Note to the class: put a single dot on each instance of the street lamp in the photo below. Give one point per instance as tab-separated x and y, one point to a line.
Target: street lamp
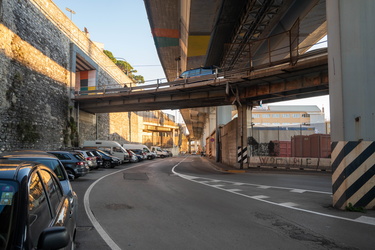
71	13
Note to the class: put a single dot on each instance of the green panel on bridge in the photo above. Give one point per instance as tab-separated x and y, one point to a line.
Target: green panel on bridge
165	42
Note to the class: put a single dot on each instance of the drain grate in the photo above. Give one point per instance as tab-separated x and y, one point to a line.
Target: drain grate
136	176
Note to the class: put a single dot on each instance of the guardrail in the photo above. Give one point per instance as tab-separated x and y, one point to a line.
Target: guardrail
160	84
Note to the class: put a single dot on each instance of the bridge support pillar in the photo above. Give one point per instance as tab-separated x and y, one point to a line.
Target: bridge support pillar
223	116
351	86
242	158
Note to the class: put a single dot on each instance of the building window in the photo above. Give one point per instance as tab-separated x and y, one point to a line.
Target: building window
256	115
305	115
275	115
296	115
266	115
285	115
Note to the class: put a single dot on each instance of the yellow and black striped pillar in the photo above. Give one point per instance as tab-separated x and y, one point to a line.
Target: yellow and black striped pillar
353	178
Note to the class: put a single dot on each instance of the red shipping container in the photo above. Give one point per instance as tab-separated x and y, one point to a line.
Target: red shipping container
284	148
301	146
320	145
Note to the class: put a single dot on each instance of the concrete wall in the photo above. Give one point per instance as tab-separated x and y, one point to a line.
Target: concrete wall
321	164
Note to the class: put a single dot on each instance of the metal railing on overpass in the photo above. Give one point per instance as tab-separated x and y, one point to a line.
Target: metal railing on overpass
268	57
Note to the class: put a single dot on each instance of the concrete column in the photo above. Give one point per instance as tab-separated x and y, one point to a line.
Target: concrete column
223	116
351	61
242	136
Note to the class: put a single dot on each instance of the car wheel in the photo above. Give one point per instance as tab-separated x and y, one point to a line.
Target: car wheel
106	164
162	156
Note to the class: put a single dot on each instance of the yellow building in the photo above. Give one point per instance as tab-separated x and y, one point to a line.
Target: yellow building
289	115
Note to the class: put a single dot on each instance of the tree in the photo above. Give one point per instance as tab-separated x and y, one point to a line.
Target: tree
125	67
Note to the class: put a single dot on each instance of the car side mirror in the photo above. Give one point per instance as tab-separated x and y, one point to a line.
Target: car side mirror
71	177
53	238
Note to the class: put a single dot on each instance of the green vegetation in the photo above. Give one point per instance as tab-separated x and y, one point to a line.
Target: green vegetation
70	133
125	67
351	208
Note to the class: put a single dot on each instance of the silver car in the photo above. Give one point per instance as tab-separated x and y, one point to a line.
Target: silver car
90	158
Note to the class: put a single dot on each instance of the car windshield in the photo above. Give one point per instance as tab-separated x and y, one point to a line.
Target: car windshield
103	153
95	153
79	157
8	191
53	164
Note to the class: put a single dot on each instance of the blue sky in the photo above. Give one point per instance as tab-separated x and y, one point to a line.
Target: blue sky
122	26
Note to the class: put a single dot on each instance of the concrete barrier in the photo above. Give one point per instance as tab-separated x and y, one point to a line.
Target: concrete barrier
318	164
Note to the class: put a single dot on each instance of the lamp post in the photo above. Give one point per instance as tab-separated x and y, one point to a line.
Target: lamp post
71	13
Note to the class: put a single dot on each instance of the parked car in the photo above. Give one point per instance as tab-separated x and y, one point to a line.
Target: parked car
112	147
144	148
141	155
109	161
89	157
54	164
159	152
99	158
169	153
34	211
73	162
133	156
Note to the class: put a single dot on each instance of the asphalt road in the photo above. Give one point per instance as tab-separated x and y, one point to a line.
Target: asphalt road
184	203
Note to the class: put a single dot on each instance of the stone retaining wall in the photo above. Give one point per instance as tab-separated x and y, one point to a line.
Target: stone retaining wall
37	78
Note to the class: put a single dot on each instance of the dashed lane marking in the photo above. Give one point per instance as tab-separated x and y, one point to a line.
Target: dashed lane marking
288	204
259	197
366	219
234	190
262	198
298	191
217	186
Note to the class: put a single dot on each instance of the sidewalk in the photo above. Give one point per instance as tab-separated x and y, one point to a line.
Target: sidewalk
224	168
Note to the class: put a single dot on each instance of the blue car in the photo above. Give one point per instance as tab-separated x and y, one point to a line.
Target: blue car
34	211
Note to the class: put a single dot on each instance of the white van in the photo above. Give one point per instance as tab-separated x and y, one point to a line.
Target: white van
112	147
144	149
159	153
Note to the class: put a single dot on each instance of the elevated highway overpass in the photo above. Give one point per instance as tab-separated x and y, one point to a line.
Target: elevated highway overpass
238	34
309	77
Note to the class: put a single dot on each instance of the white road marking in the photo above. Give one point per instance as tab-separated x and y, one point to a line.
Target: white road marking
234	190
264	187
95	223
259	197
217	186
288	204
366	220
298	191
358	220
